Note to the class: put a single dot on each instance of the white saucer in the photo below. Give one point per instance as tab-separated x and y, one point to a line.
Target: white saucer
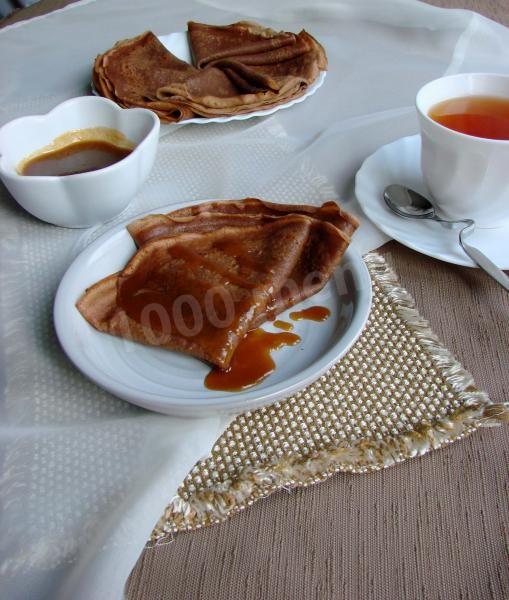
178	44
399	162
172	383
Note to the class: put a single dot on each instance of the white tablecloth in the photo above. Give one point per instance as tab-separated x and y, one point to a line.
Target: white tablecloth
84	476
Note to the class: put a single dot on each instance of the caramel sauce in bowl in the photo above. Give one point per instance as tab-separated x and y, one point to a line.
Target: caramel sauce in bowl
95	194
77	152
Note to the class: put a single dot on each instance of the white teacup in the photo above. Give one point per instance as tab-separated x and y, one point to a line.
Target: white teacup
467	176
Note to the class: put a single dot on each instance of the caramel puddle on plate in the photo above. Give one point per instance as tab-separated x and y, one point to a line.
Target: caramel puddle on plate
283	325
313	313
251	361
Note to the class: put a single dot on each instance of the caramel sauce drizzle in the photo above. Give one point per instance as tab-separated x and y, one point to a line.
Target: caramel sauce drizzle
283	325
195	260
237	250
251	362
135	296
313	313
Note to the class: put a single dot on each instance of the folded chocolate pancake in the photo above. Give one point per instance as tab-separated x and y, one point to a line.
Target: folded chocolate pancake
246	95
230	88
152	226
133	70
136	68
257	52
328	237
142	73
213	42
198	293
240	68
265	67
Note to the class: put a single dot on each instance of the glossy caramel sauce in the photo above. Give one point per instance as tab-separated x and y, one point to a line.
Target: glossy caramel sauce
283	325
194	260
192	295
78	151
237	250
480	116
313	313
80	157
136	293
251	361
180	301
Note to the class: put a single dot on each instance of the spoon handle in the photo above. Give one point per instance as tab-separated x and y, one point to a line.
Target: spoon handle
485	263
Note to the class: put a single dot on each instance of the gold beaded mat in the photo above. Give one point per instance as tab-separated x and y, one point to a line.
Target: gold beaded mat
397	394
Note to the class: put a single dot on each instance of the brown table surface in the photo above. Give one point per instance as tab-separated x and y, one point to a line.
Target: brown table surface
431	528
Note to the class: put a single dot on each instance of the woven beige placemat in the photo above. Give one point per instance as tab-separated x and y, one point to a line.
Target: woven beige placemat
398	393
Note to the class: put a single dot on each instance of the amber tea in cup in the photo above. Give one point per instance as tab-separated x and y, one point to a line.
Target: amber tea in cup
480	116
464	122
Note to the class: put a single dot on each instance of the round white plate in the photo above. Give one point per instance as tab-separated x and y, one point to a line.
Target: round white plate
400	162
171	382
177	43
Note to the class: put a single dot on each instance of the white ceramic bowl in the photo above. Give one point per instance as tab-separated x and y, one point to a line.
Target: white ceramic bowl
466	175
84	199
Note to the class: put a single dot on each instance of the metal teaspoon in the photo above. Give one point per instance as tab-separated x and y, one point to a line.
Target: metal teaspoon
409	204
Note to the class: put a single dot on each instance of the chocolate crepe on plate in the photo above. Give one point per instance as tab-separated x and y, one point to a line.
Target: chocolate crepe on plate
197	293
202	278
239	68
327	240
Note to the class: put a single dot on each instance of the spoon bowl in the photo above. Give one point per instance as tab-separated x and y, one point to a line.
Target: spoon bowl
409	204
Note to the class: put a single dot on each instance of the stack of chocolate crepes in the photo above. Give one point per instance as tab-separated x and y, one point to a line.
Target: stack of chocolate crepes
204	276
238	68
